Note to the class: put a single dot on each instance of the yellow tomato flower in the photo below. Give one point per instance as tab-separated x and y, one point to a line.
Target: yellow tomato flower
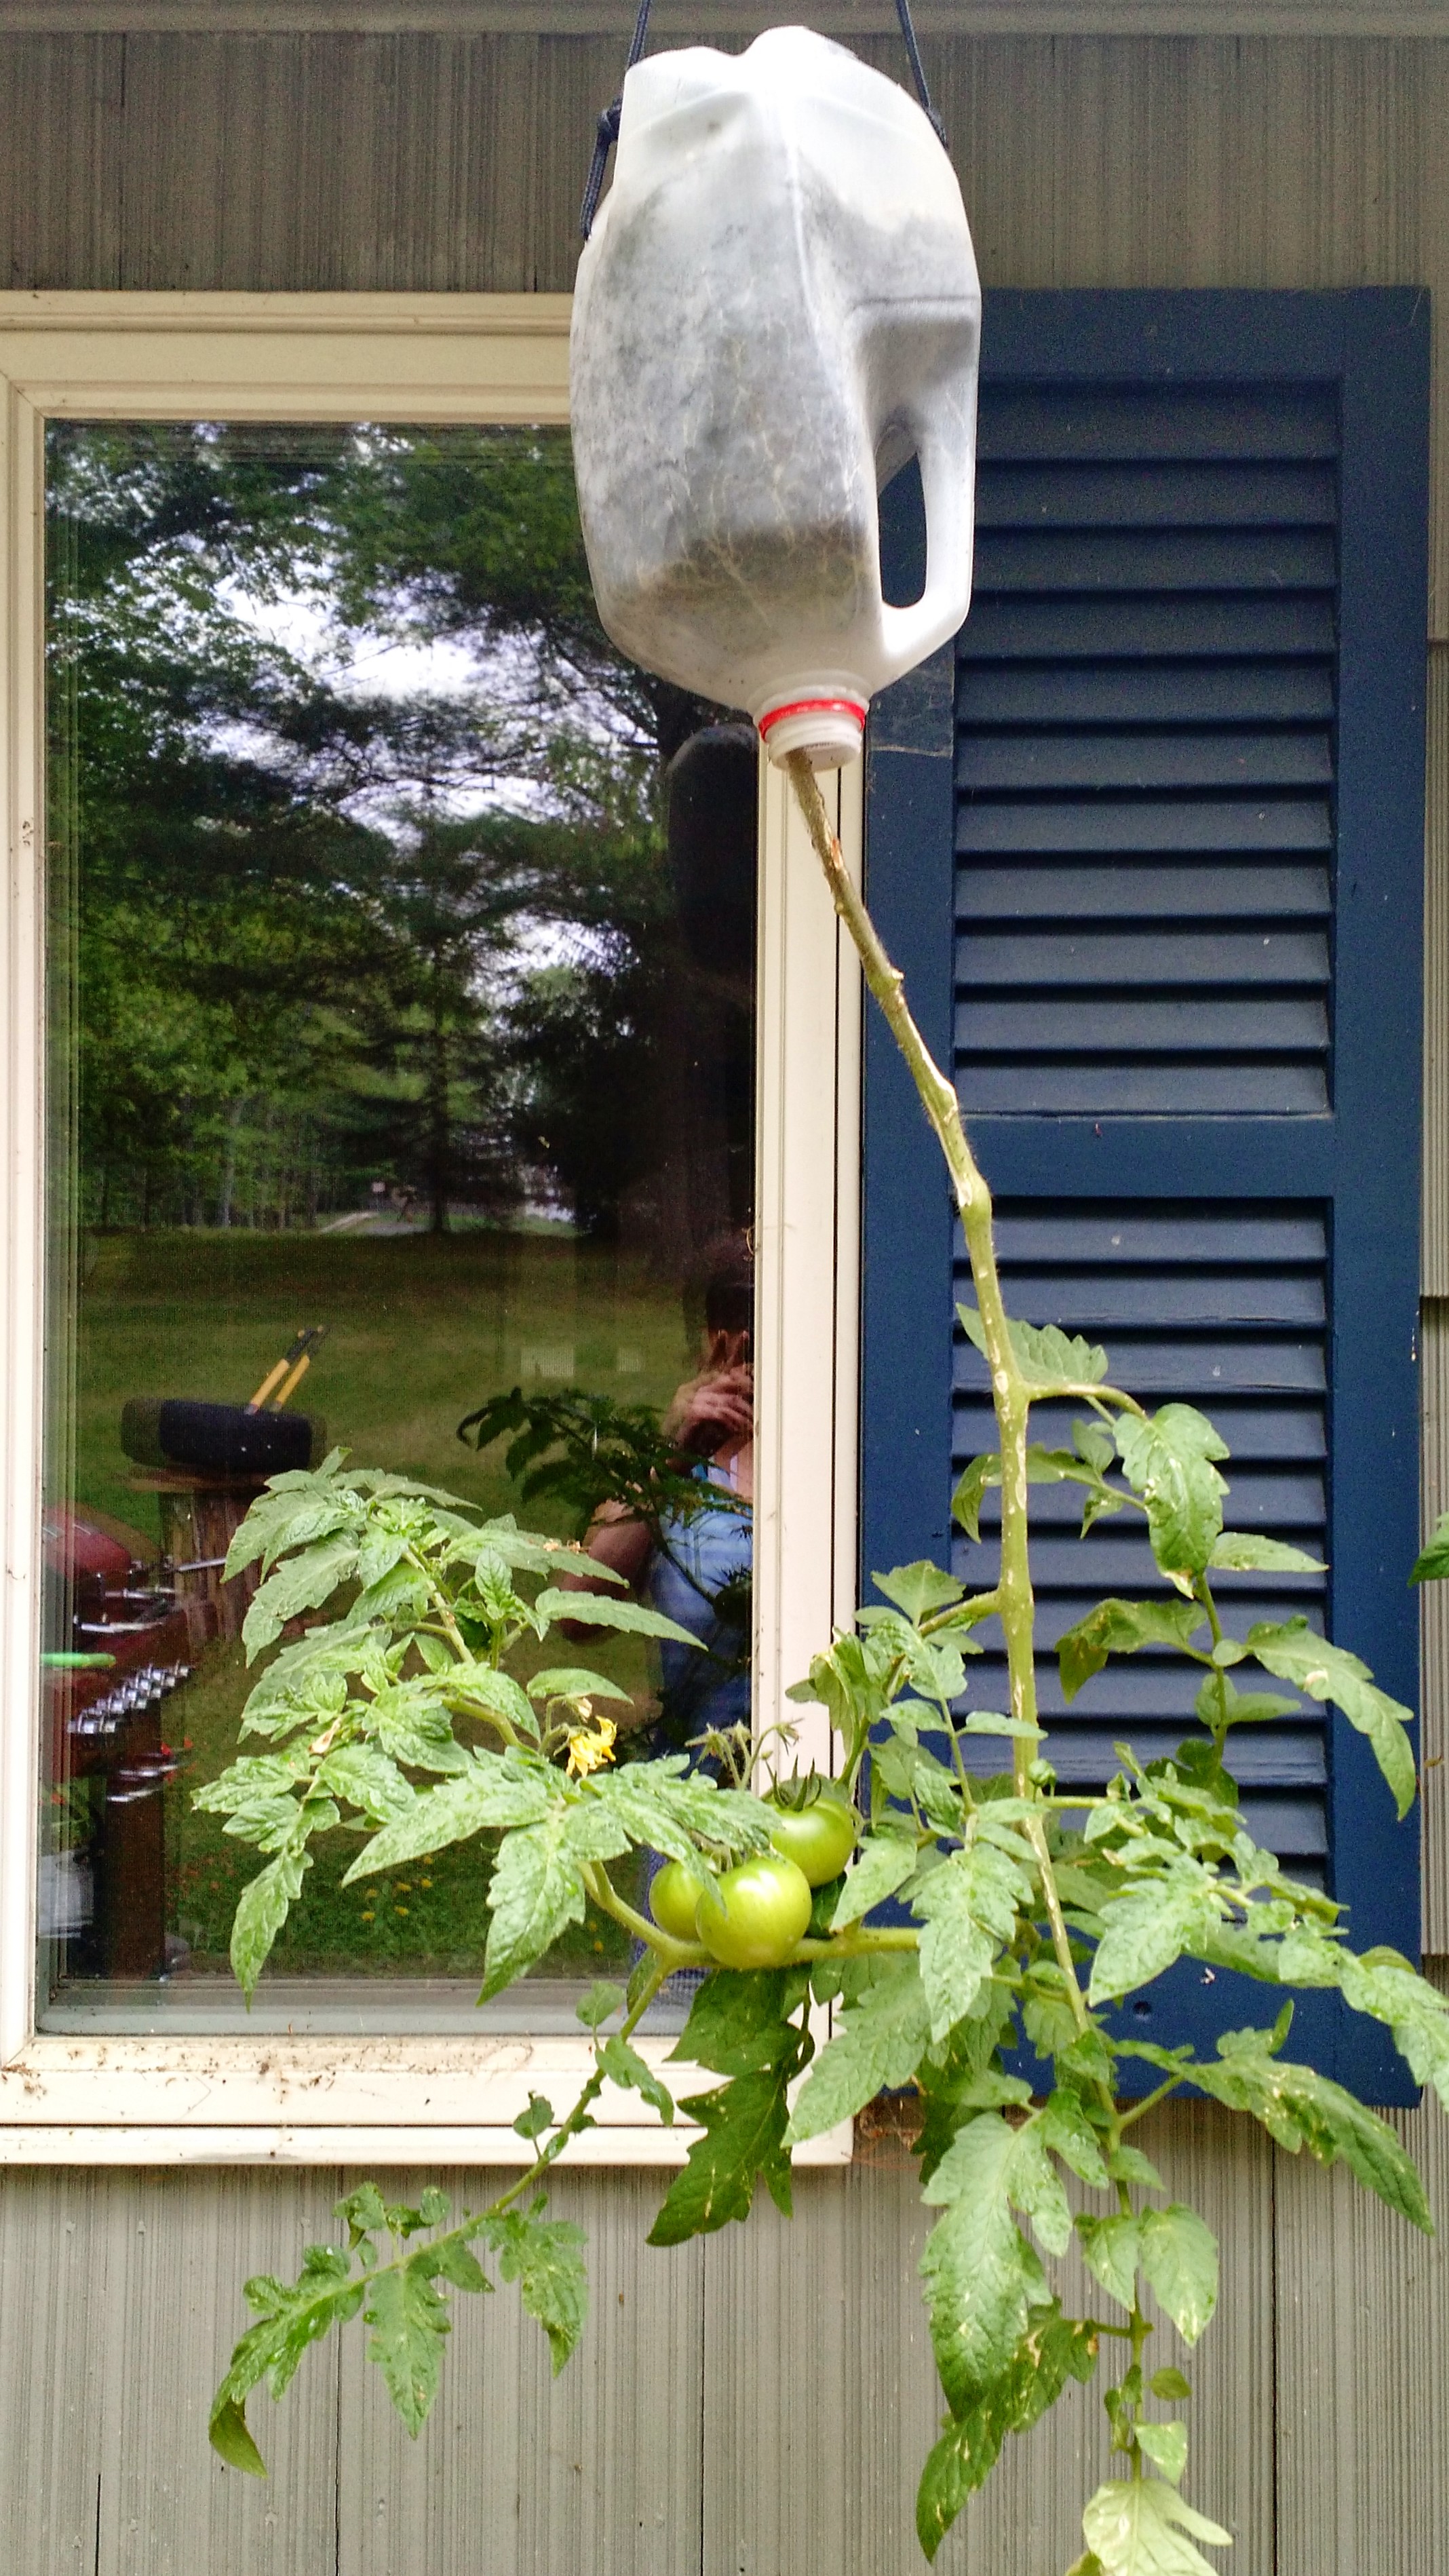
593	1745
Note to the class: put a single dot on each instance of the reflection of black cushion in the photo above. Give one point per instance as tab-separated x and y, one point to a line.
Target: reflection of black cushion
217	1439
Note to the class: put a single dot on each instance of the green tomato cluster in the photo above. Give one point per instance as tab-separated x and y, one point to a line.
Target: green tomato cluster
754	1915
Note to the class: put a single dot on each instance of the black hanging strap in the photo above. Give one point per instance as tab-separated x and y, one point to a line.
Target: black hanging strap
606	133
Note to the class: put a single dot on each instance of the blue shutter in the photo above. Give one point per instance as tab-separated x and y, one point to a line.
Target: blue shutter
1149	847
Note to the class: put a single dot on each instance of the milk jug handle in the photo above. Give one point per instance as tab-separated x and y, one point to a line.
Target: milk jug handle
606	133
947	489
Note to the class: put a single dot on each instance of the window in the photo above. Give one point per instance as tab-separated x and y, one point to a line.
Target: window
1151	850
386	989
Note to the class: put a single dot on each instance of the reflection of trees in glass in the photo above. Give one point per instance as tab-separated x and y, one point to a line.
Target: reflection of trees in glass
335	927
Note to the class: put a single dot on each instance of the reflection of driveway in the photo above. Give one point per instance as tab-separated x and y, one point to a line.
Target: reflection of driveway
365	1221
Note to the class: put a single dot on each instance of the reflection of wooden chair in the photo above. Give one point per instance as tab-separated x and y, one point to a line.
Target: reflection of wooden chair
200	1516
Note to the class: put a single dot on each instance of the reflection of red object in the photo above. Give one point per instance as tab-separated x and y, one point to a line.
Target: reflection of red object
105	1725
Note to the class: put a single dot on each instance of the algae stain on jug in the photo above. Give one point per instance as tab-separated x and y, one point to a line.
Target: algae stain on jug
777	306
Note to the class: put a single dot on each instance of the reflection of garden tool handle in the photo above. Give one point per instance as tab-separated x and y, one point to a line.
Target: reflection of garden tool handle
273	1378
292	1382
291	1368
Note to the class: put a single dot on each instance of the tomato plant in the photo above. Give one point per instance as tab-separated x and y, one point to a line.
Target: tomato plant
1025	1912
753	1916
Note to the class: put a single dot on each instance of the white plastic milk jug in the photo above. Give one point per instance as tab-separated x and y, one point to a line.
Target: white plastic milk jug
777	304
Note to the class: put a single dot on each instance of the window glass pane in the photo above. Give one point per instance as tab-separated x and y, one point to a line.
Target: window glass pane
401	1013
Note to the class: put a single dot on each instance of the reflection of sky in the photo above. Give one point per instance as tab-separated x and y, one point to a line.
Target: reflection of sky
506	679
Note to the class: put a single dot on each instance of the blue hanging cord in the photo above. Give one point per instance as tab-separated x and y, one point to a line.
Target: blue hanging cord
606	133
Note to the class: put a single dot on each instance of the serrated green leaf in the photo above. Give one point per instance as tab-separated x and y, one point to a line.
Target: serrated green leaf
1123	1628
1054	2350
1220	1703
968	1912
534	1894
625	2067
919	1589
1300	2108
1128	2164
1179	2254
737	2021
1147	1928
573	1681
1170	2385
1390	1991
1243	1552
883	1862
1167	1459
1066	2128
1292	1653
1432	1563
972	1488
1110	2250
498	1789
744	2139
1165	2445
667	1812
369	1780
1045	1355
409	2321
262	1909
597	2002
545	2257
630	1616
982	2277
1139	2527
878	2043
304	1583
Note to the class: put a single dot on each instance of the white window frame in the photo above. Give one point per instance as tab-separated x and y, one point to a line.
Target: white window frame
434	2100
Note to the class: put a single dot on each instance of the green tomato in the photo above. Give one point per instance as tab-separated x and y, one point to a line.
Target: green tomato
673	1897
819	1838
753	1916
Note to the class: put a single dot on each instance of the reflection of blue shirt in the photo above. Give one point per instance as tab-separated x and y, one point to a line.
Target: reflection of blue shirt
700	1557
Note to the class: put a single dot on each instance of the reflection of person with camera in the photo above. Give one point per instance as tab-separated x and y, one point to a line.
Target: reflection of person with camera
695	1562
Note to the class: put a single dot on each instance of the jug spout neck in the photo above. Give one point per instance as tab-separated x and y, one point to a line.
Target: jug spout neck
829	730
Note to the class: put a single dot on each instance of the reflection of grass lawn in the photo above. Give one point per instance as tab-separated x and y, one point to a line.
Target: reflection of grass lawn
420	1330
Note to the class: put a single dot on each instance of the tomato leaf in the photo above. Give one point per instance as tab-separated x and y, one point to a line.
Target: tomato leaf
534	1894
545	2257
1168	1461
744	2134
1243	1552
409	2321
1123	1628
883	1862
1045	1355
1149	1926
1179	2254
262	1909
1301	2108
593	1612
1139	2527
981	2275
919	1589
1054	2350
497	1789
1432	1563
968	1910
304	1583
1110	2249
878	2044
1292	1653
625	2067
737	2022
